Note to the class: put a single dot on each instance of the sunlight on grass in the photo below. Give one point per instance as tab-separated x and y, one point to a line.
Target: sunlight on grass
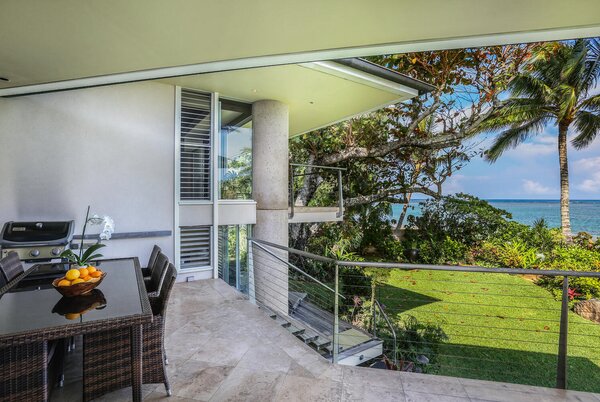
501	327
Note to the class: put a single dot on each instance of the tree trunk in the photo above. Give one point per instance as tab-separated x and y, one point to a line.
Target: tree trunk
404	211
565	221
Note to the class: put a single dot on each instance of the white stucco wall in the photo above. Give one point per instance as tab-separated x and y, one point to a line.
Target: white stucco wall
110	147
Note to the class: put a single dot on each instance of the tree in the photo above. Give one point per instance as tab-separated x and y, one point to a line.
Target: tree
552	87
413	146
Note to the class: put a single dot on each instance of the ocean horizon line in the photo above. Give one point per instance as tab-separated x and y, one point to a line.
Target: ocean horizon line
521	199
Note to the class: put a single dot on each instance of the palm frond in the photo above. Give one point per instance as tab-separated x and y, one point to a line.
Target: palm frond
516	111
588	127
574	63
529	86
513	137
591	104
592	63
567	99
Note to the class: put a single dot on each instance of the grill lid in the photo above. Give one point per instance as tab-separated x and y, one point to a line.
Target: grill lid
49	233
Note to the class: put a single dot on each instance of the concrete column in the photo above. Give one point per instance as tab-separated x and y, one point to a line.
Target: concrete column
270	136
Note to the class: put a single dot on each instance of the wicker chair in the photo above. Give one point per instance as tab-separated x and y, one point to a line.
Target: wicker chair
106	357
151	262
11	266
154	283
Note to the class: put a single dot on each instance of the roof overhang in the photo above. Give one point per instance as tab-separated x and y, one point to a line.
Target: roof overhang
62	44
318	94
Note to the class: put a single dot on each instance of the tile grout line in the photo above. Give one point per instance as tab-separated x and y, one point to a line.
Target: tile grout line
227	378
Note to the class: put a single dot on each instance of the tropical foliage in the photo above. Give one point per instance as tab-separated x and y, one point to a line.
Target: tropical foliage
412	147
556	86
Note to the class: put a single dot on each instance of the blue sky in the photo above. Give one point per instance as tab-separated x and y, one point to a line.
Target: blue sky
530	171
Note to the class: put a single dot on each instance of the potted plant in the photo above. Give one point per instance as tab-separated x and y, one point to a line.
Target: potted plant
81	259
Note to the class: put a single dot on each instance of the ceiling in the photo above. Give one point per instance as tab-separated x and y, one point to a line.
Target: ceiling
317	96
48	41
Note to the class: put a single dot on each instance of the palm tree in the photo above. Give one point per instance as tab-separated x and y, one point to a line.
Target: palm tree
553	87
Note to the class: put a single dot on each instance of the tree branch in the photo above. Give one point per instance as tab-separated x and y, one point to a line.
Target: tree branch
388	196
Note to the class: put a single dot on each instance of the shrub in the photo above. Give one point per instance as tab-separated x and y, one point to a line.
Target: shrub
585	240
573	258
517	254
452	251
416	339
462	217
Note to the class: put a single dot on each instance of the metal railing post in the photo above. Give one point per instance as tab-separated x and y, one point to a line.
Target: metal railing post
336	316
374	321
340	195
292	195
561	367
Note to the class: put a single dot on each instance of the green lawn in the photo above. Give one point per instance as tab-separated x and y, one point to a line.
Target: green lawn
501	327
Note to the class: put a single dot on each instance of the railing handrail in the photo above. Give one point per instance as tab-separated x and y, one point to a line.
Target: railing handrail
294	251
295	268
462	268
432	267
318	166
390	326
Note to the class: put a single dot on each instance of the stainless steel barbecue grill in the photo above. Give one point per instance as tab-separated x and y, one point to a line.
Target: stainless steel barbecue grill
36	241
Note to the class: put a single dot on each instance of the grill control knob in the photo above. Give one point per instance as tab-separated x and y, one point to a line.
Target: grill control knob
34	252
55	251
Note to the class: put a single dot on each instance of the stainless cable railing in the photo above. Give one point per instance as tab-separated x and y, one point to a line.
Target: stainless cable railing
496	324
379	307
303	170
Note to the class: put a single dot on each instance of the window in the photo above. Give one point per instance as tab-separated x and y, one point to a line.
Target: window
195	146
235	156
233	255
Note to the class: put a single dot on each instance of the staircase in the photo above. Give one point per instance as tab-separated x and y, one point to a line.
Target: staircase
314	326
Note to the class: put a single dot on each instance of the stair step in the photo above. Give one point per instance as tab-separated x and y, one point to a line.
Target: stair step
294	329
269	312
308	336
282	321
321	343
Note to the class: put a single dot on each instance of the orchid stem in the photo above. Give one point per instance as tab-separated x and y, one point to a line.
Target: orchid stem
87	215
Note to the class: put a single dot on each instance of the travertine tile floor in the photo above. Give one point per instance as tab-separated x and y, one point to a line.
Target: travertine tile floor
222	348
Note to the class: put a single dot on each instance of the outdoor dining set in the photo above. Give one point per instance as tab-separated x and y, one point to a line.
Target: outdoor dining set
120	324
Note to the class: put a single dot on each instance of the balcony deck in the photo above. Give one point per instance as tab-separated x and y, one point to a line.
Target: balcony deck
223	348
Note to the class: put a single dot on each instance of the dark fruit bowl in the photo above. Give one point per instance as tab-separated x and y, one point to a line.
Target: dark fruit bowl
80	304
77	289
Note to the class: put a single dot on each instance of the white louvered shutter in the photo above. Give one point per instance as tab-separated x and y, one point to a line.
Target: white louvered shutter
194	247
195	146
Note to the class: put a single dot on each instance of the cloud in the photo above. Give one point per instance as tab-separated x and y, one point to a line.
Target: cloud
591	166
540	146
588	164
534	187
454	184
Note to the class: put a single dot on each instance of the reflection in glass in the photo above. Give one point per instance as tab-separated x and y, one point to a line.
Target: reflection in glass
233	256
235	156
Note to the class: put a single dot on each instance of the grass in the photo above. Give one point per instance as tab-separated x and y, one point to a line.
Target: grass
500	327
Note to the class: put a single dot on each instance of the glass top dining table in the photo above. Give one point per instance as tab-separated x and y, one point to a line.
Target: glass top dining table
32	311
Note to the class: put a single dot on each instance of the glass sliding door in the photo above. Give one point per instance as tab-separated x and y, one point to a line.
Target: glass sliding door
233	255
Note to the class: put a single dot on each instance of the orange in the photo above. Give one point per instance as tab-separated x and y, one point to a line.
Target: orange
96	274
86	278
76	281
83	272
72	274
91	269
64	282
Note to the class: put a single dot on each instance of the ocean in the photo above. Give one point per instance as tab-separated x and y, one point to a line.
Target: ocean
585	214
